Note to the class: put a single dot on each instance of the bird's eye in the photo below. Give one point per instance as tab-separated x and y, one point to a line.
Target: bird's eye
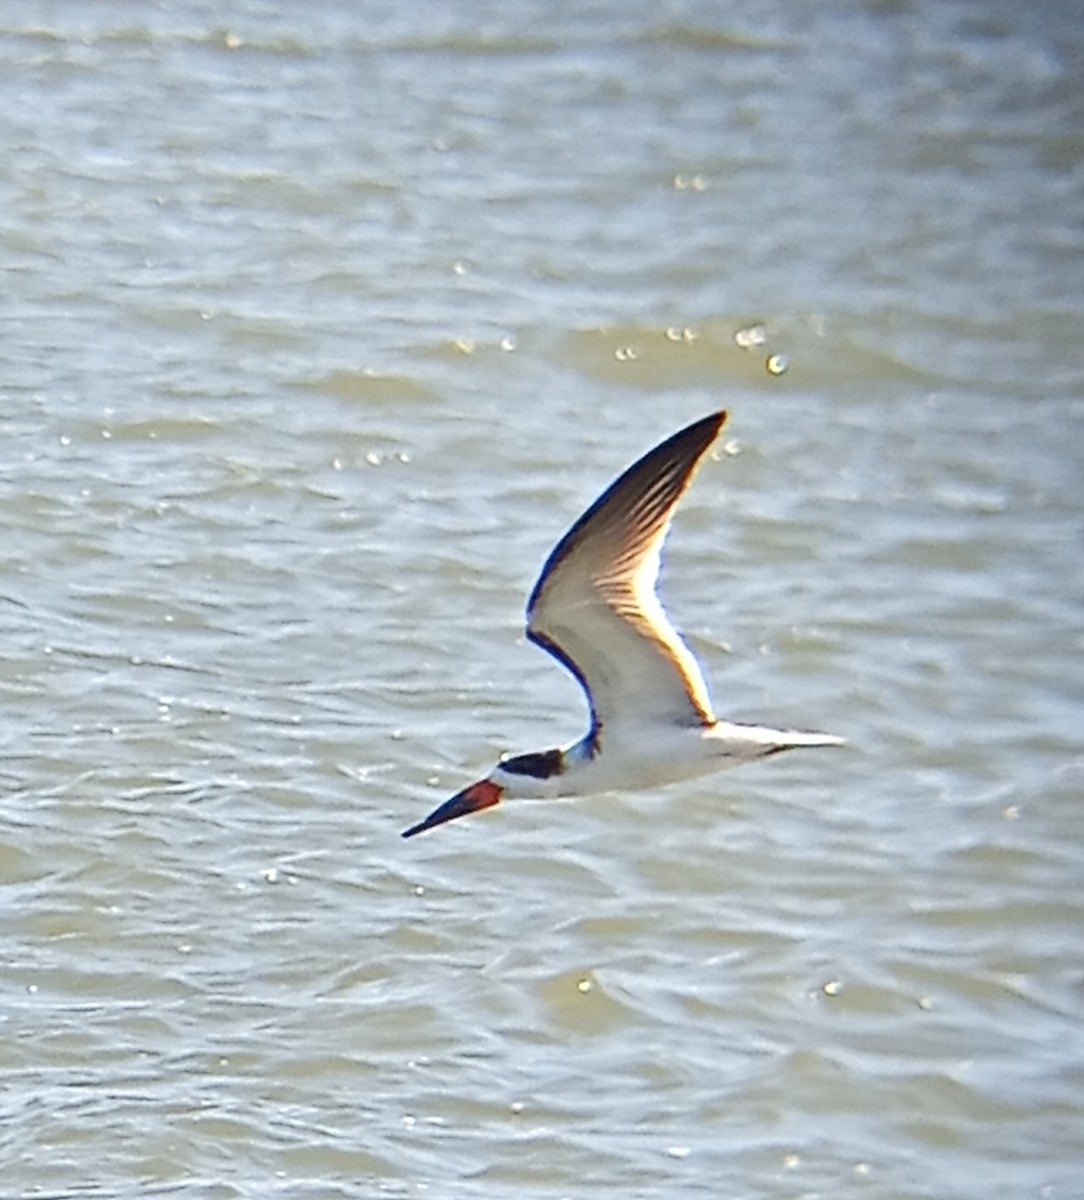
539	766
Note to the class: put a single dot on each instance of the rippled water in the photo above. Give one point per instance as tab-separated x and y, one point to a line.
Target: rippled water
320	325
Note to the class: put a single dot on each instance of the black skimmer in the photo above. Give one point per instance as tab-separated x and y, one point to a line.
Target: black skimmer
595	609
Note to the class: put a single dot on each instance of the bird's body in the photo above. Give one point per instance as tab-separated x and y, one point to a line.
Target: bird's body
595	609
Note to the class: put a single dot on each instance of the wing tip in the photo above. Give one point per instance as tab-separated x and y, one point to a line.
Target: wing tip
713	422
689	443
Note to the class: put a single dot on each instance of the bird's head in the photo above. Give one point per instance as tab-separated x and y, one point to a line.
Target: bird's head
521	776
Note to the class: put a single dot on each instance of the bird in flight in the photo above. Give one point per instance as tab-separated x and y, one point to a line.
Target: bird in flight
596	610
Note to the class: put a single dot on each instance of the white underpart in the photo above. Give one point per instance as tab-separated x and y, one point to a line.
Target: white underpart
657	755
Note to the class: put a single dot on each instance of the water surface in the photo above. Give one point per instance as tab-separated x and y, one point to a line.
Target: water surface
320	327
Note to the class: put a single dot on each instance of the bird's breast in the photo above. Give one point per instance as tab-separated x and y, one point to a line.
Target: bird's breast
637	759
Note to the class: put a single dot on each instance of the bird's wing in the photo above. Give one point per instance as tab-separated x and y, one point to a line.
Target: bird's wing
595	608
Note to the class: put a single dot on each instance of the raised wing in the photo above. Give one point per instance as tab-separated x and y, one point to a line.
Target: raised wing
595	608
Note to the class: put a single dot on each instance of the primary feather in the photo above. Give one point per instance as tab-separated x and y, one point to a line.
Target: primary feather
595	607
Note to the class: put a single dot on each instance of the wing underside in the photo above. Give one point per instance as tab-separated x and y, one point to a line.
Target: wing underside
595	607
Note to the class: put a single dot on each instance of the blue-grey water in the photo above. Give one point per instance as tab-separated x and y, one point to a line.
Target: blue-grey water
318	325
